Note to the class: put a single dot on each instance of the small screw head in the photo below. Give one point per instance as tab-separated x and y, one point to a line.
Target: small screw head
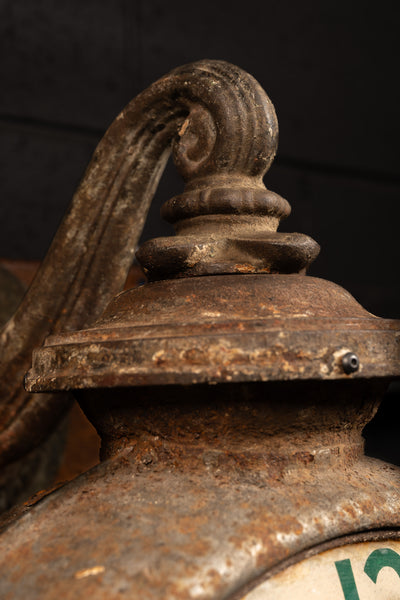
350	363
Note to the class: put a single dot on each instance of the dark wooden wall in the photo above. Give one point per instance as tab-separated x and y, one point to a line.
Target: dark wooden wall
330	67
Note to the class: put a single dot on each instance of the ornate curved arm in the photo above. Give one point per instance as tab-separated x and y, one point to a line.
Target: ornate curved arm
225	132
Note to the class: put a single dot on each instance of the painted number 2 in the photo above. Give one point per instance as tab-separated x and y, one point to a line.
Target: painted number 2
383	557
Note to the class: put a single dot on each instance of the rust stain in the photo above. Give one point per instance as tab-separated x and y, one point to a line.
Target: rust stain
89	572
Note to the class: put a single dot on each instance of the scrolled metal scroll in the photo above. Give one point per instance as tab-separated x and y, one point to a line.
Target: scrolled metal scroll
224	131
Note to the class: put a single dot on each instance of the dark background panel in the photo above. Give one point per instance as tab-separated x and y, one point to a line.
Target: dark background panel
331	69
63	62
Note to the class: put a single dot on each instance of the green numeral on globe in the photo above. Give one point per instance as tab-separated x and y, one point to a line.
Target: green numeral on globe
346	576
382	557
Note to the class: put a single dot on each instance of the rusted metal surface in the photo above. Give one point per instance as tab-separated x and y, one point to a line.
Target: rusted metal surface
204	492
225	391
216	329
36	469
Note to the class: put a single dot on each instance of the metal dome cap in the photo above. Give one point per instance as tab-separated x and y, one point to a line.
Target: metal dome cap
227	298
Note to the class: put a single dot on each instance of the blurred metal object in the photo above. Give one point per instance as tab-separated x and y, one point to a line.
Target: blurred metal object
11	292
36	469
230	418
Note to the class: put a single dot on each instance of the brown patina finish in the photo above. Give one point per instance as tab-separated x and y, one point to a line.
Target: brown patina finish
36	469
230	392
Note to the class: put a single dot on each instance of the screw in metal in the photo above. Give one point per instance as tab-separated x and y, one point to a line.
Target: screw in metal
350	363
